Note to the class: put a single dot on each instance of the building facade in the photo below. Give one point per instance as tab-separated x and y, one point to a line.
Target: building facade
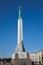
36	57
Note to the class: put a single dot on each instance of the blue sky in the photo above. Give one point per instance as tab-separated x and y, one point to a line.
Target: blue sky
32	14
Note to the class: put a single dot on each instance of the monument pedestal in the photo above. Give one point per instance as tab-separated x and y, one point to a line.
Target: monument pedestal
21	58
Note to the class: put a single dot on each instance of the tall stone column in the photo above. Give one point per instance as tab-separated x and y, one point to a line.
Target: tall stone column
20	46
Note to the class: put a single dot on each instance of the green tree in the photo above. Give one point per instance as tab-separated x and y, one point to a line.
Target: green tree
6	59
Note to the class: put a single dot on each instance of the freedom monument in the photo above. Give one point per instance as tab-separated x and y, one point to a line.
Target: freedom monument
20	56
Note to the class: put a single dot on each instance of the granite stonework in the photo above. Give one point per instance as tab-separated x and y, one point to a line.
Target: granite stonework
21	61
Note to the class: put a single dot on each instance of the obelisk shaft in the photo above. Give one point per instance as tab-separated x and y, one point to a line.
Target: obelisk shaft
20	45
20	29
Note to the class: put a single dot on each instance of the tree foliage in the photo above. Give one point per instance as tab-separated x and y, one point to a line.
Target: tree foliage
6	59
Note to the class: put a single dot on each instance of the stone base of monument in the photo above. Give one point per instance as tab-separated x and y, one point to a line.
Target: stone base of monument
21	58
